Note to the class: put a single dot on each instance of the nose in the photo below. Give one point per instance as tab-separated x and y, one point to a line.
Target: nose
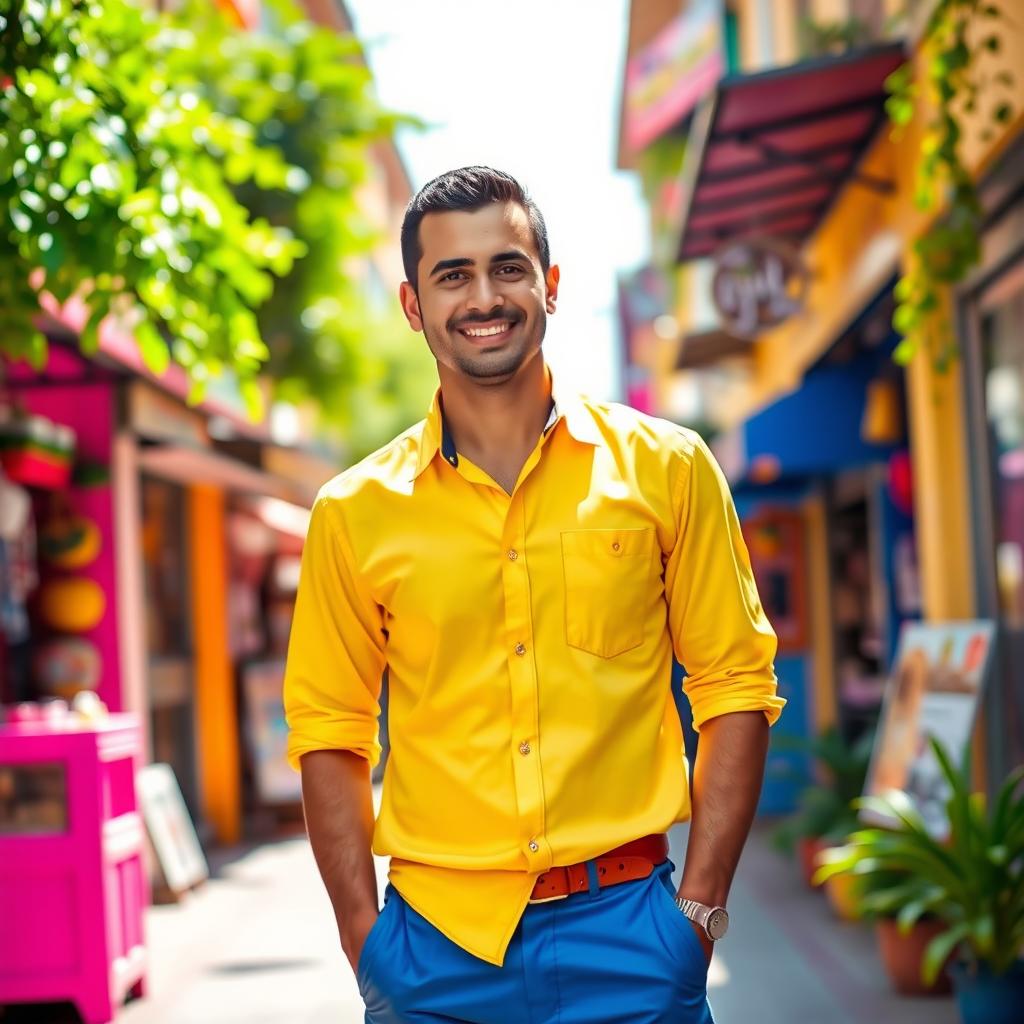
483	296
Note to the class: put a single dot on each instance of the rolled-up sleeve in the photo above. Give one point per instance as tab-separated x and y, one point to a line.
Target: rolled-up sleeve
719	630
336	651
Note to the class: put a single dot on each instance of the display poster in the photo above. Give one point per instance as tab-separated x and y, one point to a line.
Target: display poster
171	832
937	679
267	732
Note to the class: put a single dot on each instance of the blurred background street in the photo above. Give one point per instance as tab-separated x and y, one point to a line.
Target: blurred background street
796	226
258	944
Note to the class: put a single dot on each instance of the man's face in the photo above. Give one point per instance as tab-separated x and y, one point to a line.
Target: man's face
482	299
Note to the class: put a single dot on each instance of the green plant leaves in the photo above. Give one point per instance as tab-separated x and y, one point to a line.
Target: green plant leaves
938	951
974	880
208	175
950	248
824	810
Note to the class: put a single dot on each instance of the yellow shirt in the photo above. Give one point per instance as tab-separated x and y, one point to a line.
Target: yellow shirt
528	640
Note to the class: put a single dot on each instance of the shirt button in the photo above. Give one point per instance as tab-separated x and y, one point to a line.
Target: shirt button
512	554
524	748
533	845
520	649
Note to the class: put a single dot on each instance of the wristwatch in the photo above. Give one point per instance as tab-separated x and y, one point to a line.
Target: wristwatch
714	920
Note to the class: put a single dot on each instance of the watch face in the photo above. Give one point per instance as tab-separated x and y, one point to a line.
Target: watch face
718	924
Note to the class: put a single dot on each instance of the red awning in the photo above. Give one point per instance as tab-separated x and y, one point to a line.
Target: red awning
769	151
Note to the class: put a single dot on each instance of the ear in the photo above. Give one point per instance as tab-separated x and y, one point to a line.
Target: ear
410	306
551	280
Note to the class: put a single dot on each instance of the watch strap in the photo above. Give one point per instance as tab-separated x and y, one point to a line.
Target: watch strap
698	913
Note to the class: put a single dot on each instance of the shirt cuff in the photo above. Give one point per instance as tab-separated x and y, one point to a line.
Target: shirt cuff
732	697
333	737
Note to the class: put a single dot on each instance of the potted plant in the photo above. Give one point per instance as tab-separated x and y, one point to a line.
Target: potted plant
824	815
880	896
972	881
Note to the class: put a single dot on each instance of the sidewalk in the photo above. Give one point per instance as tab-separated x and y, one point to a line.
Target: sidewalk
787	960
258	944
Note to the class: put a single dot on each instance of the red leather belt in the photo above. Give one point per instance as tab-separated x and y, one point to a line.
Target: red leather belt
625	863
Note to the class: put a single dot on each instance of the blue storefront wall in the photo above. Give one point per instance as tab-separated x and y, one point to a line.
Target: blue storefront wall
807	437
815	432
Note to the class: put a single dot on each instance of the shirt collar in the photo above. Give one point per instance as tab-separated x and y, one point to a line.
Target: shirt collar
566	405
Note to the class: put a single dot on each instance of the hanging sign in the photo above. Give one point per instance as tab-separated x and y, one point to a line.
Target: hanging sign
757	284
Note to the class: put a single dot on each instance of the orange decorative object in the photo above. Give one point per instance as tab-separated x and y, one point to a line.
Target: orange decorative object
72	605
69	543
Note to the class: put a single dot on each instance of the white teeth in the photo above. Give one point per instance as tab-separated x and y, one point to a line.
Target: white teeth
485	332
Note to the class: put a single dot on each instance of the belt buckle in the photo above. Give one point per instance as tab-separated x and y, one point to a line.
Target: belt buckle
554	899
550	899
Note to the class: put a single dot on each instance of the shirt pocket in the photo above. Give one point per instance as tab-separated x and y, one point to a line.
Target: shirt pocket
607	576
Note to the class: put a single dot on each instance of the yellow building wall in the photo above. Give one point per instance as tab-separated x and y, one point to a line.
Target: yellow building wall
786	32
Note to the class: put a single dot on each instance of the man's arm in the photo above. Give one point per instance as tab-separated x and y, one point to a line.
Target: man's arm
726	785
723	639
338	805
331	687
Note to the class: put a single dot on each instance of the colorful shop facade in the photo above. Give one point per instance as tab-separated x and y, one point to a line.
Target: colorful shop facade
872	495
150	555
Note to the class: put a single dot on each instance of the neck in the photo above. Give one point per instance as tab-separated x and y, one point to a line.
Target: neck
494	419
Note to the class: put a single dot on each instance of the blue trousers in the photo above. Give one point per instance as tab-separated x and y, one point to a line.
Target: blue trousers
620	955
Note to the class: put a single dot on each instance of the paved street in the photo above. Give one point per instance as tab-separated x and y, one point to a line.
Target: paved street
257	944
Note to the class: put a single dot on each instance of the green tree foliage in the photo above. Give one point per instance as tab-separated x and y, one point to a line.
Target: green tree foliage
198	180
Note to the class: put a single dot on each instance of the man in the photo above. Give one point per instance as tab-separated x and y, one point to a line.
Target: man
524	563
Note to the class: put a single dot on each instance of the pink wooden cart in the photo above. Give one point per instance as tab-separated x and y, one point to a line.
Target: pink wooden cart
72	880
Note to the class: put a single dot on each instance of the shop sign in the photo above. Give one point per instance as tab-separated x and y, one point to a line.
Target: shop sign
157	416
757	284
179	857
669	77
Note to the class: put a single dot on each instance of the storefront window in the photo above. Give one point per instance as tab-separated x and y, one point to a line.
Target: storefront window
169	633
1001	324
1003	343
33	799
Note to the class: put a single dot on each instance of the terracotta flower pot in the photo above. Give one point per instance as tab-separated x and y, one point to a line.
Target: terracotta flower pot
901	956
807	850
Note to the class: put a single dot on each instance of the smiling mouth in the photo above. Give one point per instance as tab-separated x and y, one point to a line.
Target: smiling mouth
486	332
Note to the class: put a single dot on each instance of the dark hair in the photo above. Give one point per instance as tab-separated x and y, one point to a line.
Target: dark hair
469	189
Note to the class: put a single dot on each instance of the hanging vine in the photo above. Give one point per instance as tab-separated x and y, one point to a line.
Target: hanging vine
958	35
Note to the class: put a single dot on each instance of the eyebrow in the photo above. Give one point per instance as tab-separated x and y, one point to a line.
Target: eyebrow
464	261
511	254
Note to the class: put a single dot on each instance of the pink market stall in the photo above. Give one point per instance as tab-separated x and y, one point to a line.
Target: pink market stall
73	884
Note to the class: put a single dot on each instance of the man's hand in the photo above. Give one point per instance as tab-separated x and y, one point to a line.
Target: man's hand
353	936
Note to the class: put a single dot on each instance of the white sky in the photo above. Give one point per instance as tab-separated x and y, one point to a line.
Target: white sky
531	88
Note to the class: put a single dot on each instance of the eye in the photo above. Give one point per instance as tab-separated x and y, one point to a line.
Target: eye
452	275
509	269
